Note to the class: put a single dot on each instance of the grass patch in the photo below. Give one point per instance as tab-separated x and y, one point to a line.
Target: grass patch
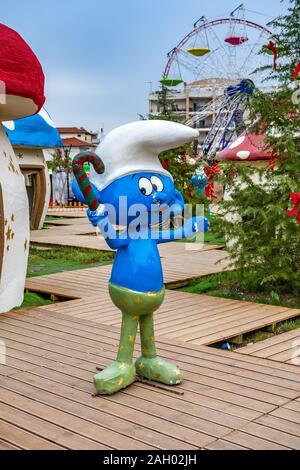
57	259
213	239
31	299
232	285
53	217
209	237
260	335
288	325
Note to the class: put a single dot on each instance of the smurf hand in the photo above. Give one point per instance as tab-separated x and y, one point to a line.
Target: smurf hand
97	216
199	224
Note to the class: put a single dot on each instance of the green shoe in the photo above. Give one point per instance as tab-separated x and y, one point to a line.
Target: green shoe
159	370
114	377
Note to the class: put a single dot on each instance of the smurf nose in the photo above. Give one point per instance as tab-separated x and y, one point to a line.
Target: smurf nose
160	198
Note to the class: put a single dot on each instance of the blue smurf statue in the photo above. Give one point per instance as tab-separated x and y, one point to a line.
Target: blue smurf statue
129	188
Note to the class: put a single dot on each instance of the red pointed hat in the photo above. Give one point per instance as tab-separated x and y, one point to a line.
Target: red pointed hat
22	77
246	147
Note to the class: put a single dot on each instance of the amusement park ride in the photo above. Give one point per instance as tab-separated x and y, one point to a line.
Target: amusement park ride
232	48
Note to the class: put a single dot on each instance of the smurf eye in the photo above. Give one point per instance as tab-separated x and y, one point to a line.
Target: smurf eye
145	186
157	183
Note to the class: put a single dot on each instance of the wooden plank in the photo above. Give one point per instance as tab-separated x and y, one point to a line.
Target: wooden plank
253	442
262	376
274	436
39	420
221	444
281	424
224	393
109	410
25	440
212	376
78	418
284	347
187	317
6	446
226	402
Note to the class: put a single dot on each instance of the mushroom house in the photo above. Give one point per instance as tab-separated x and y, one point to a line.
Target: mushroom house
32	139
21	95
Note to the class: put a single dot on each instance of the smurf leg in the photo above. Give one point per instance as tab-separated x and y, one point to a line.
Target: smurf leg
149	365
121	372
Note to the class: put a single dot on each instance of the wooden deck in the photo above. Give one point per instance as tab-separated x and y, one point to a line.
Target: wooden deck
63	221
83	236
90	281
283	348
230	401
199	319
79	233
67	212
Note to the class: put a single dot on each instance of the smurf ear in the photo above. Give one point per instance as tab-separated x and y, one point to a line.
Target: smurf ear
78	194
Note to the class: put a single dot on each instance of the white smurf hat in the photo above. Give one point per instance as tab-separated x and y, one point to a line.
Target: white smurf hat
134	148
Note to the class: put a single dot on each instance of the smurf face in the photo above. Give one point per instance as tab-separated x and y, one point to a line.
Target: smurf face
150	193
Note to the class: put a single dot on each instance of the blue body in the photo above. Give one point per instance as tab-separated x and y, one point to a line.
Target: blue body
137	264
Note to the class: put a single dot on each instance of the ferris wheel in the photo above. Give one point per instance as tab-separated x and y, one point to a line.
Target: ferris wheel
230	48
230	56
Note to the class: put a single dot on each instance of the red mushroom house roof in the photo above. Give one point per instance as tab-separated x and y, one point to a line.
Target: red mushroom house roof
21	75
246	147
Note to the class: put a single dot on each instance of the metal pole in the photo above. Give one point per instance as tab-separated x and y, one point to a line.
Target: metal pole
68	182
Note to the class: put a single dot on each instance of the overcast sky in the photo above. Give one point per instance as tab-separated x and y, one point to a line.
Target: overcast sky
98	55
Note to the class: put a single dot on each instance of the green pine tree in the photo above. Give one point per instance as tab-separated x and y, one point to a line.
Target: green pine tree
265	242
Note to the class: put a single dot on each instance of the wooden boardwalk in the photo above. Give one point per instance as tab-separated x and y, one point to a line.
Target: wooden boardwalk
85	237
199	319
283	348
67	212
229	401
79	233
90	281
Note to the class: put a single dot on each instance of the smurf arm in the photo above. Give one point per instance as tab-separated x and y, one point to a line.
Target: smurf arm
188	230
99	218
112	237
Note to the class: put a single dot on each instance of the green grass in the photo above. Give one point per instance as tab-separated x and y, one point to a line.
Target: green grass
42	262
289	325
52	217
231	285
211	238
31	299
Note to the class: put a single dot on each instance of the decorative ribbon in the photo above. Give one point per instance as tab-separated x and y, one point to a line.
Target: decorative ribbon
165	164
210	172
295	199
296	71
272	47
82	178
